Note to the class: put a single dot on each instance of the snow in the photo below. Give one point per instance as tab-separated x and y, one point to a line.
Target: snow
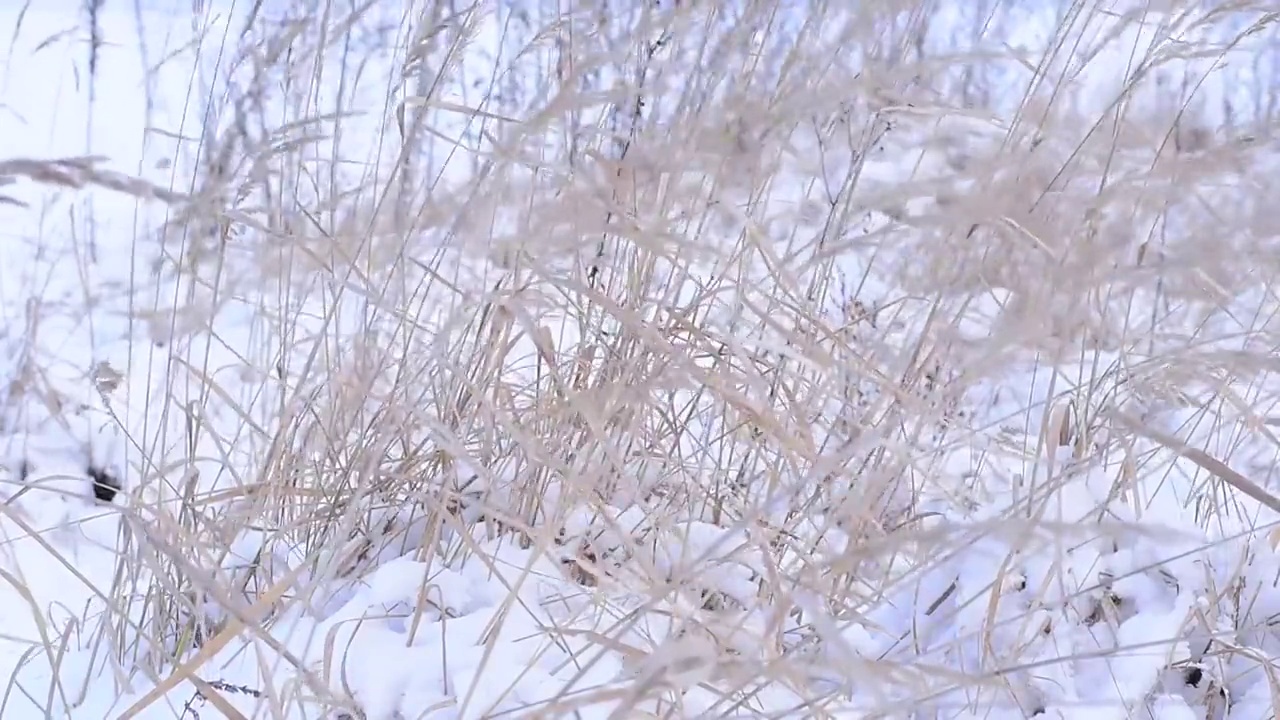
1097	607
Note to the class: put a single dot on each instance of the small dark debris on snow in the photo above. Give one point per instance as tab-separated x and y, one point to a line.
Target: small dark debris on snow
189	711
1192	676
105	484
234	689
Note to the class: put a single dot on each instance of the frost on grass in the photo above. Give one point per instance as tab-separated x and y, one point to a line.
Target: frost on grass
501	363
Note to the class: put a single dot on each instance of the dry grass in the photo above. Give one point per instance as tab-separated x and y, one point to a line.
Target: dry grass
710	311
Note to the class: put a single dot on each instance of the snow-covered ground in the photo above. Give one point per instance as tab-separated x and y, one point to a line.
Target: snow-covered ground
1081	581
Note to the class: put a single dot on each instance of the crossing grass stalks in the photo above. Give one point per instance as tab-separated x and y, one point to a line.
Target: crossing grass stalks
704	306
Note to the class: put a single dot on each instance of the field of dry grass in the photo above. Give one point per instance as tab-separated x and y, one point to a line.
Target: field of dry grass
637	360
